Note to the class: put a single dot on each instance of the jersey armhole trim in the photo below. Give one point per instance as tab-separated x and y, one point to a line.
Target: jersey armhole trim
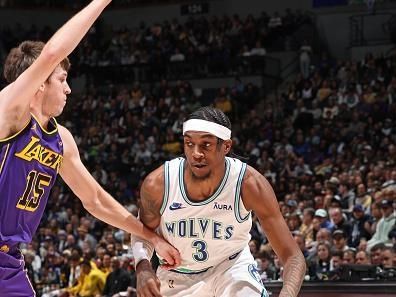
237	200
166	188
4	158
54	123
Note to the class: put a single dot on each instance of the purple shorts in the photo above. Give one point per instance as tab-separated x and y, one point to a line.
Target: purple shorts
14	281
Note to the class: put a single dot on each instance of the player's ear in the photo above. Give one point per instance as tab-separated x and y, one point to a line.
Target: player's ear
227	146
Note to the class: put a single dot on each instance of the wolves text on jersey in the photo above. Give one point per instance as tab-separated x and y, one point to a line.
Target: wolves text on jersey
199	228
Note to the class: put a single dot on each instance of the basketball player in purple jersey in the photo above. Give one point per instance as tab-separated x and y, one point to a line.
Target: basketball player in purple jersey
34	149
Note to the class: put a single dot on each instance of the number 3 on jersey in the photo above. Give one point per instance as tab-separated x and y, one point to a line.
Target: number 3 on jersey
34	190
201	254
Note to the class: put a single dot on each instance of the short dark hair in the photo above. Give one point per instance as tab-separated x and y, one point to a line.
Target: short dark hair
21	57
378	246
211	114
86	263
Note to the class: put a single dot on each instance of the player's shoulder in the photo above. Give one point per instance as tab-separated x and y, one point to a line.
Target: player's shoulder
69	144
251	174
253	179
62	129
154	181
256	189
65	134
153	186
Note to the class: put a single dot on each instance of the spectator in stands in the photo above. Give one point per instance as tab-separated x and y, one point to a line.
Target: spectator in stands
90	283
105	265
376	254
291	205
293	221
256	231
266	268
388	257
300	240
321	215
361	227
348	257
362	197
306	228
336	260
323	235
319	267
118	280
340	240
384	226
362	258
340	222
376	215
84	236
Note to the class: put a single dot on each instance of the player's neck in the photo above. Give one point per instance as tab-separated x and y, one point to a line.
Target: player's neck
40	117
38	111
200	189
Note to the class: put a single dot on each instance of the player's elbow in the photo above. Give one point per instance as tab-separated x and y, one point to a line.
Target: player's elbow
92	202
52	53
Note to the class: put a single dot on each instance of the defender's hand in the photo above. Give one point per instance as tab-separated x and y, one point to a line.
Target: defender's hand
167	252
147	283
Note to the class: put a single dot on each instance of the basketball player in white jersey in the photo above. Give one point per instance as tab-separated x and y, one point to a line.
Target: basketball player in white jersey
201	204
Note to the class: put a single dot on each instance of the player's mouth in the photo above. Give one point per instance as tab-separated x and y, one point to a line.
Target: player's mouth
199	166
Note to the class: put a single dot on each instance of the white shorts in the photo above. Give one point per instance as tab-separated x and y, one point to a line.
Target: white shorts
234	277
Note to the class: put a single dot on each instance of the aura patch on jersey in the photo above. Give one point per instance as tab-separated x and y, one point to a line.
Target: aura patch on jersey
254	273
222	206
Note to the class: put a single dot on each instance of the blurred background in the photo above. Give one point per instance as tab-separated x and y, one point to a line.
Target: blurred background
310	87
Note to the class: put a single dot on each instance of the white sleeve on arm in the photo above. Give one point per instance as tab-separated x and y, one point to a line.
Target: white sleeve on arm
141	249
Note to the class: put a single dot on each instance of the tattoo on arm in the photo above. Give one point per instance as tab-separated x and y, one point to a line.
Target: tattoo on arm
293	276
149	208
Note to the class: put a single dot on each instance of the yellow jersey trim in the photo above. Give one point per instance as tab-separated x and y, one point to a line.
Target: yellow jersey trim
45	130
5	157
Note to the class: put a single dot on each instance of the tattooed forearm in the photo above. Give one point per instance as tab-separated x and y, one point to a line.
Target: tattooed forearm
293	275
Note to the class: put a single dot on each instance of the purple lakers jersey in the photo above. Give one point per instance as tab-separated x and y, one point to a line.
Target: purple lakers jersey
29	163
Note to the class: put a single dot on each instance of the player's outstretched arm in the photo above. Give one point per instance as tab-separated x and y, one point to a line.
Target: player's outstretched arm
100	204
15	98
258	195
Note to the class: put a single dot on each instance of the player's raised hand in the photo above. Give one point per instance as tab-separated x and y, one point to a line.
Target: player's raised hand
167	252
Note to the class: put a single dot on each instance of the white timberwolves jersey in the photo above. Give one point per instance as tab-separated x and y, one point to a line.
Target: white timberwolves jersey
206	232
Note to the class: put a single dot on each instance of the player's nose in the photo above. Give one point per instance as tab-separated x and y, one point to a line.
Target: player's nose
197	153
67	89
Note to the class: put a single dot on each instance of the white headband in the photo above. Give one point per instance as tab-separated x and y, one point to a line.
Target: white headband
206	126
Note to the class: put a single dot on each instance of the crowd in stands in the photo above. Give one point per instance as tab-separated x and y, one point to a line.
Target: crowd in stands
327	144
77	4
332	159
195	48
